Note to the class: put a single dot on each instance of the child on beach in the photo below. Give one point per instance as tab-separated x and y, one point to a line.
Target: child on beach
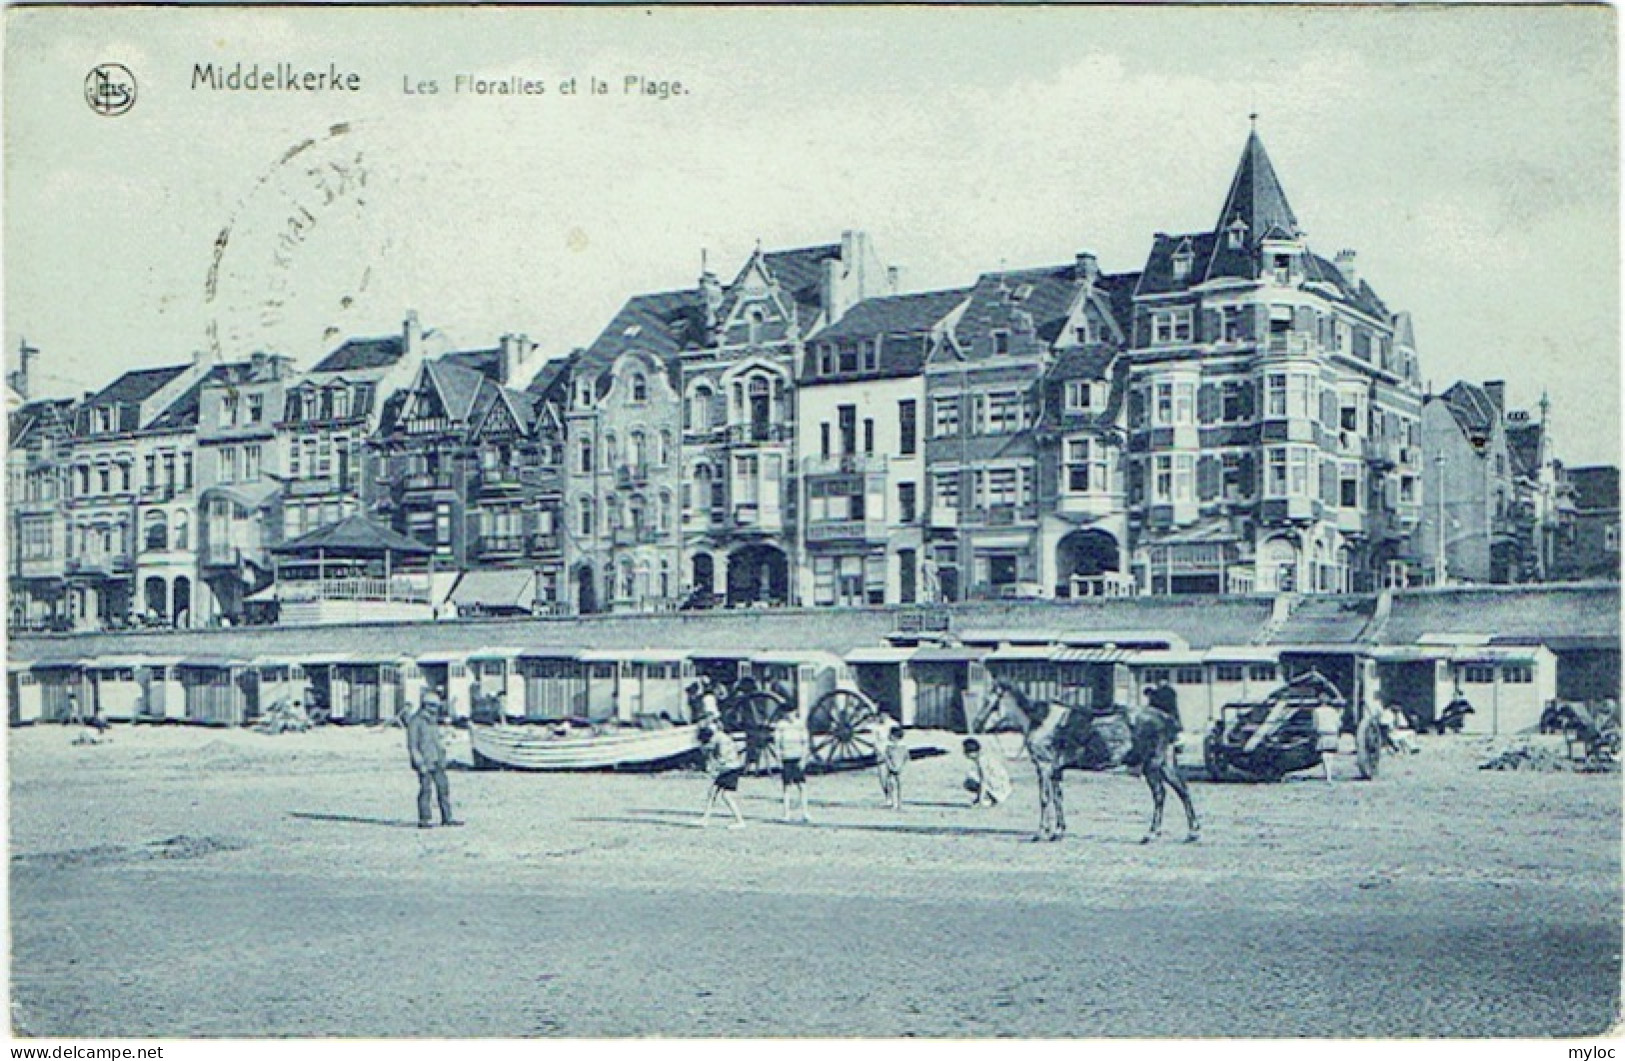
722	762
791	741
987	781
890	760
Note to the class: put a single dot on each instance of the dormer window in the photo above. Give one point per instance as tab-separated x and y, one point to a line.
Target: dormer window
640	388
1281	268
756	318
104	420
1080	396
1235	237
1001	341
1183	257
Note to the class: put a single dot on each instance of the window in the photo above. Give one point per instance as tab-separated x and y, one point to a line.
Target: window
1085	466
945	490
906	502
868	435
1189	676
584	454
945	416
1478	674
256	408
871	356
1261	672
826	360
1155	675
1349	486
1230	324
1002	485
228	410
1080	396
186	471
251	464
104	479
1275	473
907	429
1005	412
1001	341
1171	326
1237	401
1517	674
1275	395
640	388
1610	539
1184	476
1228	672
584	516
151	468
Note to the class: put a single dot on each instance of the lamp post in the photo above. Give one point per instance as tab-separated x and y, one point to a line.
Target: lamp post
1443	560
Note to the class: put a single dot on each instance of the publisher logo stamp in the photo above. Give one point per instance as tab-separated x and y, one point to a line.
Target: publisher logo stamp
110	89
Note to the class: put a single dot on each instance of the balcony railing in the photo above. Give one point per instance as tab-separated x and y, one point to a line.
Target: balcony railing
1283	343
98	564
354	589
40	567
220	554
1002	515
760	432
501	479
631	474
846	529
499	544
1106	585
755	517
845	464
544	543
428	481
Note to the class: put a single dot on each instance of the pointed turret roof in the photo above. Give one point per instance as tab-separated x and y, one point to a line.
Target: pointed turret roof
1256	206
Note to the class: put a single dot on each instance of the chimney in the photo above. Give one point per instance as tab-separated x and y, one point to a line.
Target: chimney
1345	265
1497	390
515	352
831	289
412	334
711	295
1087	268
856	255
894	279
21	379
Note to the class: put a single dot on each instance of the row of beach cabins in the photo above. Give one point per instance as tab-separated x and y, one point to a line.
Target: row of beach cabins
921	678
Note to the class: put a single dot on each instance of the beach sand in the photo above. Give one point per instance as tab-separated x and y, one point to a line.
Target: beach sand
184	882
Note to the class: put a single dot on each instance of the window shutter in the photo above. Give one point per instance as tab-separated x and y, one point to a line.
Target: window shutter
1209	477
1249	481
1210	325
1328	481
1328	408
1136	481
1260	323
1136	407
1303	319
1246	399
1208	403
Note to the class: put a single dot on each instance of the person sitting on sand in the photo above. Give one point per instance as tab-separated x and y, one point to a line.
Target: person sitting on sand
721	757
890	761
988	781
428	758
791	742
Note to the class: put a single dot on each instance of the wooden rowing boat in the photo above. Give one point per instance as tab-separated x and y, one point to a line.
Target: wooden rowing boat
538	748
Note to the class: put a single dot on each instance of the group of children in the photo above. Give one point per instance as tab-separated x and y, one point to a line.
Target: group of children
988	781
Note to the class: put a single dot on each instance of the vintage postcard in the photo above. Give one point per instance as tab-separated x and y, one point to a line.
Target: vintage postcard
814	522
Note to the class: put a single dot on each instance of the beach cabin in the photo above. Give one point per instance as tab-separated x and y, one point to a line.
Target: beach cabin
39	690
134	688
555	684
365	690
218	691
805	675
1508	686
628	684
946	678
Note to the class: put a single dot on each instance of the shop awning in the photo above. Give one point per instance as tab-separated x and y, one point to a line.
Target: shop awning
1109	654
514	590
948	654
210	661
1017	653
880	654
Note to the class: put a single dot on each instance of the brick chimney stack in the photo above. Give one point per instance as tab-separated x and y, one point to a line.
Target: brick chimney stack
1345	265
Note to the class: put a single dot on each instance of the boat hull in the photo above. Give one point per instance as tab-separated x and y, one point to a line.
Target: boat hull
529	748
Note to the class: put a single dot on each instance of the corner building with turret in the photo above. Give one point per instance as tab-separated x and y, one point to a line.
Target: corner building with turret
1274	410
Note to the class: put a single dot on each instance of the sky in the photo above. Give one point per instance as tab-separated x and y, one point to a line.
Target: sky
1469	155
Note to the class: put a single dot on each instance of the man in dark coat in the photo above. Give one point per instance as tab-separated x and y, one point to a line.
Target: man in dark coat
1164	699
428	757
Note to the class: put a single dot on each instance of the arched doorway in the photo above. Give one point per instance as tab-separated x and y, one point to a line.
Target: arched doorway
1278	566
1081	558
703	584
586	590
758	574
182	596
157	600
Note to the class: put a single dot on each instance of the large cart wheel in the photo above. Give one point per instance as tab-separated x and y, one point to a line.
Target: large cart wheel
840	727
1368	747
753	714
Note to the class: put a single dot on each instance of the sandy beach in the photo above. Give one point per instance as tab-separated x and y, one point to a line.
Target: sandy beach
187	882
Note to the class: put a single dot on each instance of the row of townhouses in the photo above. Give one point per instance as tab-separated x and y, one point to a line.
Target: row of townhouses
1241	415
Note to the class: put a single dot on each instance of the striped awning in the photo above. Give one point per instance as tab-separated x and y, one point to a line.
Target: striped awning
948	654
1106	654
1021	653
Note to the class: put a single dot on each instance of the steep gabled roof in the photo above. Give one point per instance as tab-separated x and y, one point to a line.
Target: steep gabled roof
902	323
487	363
1005	301
459	386
1596	488
1523	446
1159	276
800	274
136	386
662	324
553	376
182	413
1474	411
356	355
36	415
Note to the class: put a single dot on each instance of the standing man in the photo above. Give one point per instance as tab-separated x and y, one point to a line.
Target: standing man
428	757
1164	699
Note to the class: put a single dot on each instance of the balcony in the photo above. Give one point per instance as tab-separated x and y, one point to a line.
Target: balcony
1386	451
220	554
396	588
1003	515
426	481
751	433
846	530
492	546
845	464
943	518
1287	344
754	517
544	544
99	564
501	480
40	567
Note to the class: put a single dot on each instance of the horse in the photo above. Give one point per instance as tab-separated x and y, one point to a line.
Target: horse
1060	738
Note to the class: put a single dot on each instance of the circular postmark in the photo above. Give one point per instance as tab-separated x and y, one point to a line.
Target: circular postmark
296	263
110	89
